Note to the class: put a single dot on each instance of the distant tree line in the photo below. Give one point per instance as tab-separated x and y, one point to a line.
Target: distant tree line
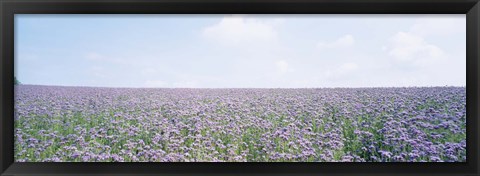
16	81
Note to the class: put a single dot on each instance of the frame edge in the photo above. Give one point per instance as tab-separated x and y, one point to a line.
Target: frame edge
7	67
473	68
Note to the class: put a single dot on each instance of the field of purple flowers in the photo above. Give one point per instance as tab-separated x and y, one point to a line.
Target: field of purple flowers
81	124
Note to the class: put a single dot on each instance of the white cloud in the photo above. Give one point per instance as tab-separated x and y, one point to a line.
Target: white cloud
342	42
413	49
384	48
342	72
155	83
98	72
238	29
283	66
435	26
186	84
348	67
148	71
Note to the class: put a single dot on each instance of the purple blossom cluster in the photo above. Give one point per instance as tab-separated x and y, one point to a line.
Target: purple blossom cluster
84	124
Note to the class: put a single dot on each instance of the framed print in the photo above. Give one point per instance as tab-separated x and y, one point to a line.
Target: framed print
220	87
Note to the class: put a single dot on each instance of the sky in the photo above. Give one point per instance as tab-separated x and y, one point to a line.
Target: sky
241	51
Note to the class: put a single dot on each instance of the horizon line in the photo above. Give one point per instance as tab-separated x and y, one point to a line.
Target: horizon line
353	87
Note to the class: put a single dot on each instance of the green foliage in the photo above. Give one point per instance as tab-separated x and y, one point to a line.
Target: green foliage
16	81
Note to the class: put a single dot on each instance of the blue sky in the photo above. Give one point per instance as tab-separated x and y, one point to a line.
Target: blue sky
241	51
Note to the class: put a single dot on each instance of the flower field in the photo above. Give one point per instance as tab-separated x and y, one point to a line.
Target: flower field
84	124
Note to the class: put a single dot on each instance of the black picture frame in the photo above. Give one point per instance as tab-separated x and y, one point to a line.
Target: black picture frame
11	7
